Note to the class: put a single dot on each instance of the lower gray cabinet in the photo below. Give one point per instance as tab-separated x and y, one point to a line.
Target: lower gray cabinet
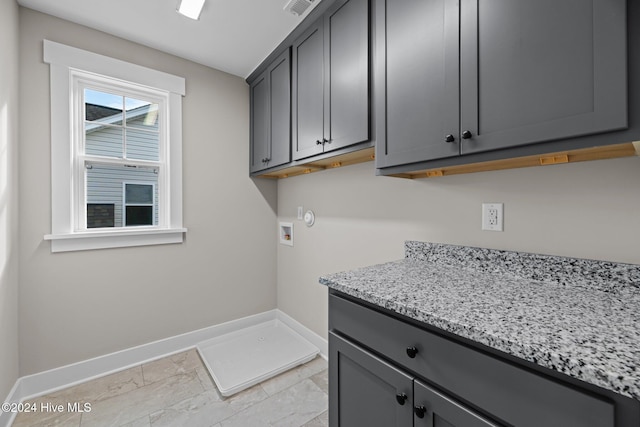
384	371
435	409
364	390
367	391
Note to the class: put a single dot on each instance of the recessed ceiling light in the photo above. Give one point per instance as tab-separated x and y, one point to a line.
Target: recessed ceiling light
190	8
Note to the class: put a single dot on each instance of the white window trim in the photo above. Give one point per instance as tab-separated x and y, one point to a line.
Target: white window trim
64	237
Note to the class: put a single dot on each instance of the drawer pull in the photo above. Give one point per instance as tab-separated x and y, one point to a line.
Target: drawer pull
412	352
420	411
401	398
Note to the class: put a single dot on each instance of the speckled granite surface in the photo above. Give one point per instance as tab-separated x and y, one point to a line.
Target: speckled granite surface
579	317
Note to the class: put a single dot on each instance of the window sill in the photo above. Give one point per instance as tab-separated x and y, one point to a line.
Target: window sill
89	240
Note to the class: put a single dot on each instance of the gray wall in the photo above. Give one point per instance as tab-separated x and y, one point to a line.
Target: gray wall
8	195
585	210
74	306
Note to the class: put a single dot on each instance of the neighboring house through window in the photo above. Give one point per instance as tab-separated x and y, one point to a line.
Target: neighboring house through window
123	139
128	132
139	204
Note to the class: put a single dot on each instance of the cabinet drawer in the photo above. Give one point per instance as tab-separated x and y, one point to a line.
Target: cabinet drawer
512	394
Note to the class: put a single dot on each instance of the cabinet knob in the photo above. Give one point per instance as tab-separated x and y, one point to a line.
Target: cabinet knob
412	352
326	141
267	160
318	142
449	138
466	134
419	411
401	398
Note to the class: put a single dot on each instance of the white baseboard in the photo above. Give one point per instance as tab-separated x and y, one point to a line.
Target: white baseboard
66	376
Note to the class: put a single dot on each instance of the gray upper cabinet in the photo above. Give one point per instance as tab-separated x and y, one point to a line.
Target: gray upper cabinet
271	116
259	127
347	89
465	76
417	80
331	81
280	107
308	93
540	71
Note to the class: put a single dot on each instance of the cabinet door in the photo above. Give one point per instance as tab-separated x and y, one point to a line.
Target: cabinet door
365	390
434	409
417	87
308	93
347	68
534	71
259	123
280	109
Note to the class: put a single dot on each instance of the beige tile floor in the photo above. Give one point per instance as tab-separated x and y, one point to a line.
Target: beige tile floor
178	391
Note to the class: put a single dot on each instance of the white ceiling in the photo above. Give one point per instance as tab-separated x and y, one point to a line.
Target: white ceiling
232	35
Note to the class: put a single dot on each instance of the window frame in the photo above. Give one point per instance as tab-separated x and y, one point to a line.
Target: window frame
82	81
69	65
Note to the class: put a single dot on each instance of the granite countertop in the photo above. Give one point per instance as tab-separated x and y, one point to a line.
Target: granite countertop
578	317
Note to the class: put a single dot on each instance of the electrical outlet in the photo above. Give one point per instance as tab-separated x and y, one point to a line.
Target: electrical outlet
492	216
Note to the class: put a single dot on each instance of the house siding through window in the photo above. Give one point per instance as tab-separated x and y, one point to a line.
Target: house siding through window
104	137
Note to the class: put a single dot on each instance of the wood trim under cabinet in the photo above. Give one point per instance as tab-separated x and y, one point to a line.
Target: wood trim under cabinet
615	151
579	155
333	162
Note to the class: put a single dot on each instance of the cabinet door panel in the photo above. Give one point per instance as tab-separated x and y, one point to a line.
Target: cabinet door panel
363	388
347	35
308	93
417	87
441	411
538	71
280	81
259	123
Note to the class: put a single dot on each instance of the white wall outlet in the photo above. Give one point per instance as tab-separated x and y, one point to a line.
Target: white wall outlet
492	216
300	212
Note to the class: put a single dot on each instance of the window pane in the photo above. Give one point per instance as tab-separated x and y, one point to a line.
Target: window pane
139	215
102	140
138	194
105	184
102	106
141	114
100	215
143	145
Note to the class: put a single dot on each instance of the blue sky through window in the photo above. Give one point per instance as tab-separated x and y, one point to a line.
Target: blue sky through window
110	100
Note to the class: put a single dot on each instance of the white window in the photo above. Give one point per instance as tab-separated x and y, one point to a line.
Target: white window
116	143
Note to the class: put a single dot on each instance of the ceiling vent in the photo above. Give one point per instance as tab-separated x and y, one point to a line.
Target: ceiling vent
298	7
